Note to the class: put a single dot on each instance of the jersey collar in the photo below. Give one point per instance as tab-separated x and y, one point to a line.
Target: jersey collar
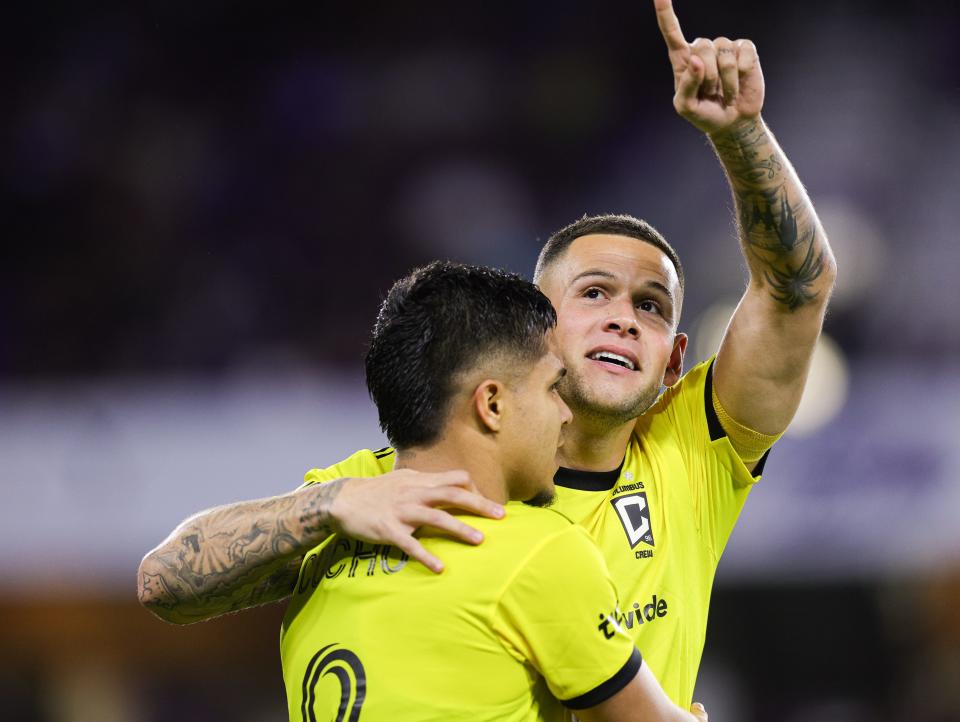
587	480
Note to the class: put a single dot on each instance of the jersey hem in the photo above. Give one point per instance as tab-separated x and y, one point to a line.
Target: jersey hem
605	690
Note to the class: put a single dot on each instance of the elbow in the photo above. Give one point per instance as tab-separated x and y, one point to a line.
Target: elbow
154	593
829	269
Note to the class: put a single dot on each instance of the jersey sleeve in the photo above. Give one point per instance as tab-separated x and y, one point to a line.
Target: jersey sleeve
364	463
558	613
719	481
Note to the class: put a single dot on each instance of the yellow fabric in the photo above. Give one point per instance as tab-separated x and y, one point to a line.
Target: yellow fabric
362	463
682	493
507	627
691	490
749	444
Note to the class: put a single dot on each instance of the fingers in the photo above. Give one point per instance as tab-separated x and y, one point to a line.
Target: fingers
456	498
707	52
747	57
387	509
415	550
440	520
688	84
447	478
724	64
670	29
699	712
727	65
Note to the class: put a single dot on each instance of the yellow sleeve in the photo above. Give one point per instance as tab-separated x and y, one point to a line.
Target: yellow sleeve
718	478
559	613
363	463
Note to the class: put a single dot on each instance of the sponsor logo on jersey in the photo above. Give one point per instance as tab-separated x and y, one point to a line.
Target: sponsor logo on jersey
634	515
655	609
619	621
609	625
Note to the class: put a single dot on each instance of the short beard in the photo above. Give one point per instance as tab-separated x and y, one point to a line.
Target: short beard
601	414
543	498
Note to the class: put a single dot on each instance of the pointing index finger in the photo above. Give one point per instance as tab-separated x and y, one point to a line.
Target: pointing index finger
669	26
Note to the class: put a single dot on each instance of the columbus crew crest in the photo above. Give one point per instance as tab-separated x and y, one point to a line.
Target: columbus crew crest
634	515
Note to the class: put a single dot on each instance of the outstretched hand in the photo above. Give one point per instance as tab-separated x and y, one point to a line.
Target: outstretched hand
388	509
716	82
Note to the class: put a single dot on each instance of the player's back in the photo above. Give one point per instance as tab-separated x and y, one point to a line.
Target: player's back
368	630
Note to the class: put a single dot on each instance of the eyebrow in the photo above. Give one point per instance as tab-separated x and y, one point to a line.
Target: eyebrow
596	272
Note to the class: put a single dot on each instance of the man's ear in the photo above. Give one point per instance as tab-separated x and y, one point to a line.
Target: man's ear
675	364
488	403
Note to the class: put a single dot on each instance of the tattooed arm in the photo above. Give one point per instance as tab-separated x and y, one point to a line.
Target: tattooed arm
762	364
236	556
242	555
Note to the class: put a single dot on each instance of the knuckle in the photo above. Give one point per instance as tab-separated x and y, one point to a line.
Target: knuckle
435	517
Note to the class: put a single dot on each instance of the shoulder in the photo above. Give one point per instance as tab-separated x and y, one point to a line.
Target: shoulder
551	538
537	520
365	462
682	407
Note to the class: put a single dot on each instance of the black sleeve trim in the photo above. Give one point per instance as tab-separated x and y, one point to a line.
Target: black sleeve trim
758	469
606	690
713	423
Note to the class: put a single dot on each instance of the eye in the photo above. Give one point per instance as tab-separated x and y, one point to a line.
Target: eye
649	306
593	292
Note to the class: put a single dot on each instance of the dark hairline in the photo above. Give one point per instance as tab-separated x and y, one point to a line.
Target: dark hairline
618	224
547	260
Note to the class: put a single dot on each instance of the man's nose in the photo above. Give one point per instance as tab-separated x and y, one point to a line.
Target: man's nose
622	325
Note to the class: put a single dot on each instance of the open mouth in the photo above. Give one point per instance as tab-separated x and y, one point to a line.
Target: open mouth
613	358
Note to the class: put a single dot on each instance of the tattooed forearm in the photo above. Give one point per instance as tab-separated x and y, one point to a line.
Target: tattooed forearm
236	556
315	517
785	247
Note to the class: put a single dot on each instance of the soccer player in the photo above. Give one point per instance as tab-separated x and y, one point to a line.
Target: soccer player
657	480
463	377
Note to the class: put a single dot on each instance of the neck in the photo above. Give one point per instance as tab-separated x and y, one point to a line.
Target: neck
449	454
594	446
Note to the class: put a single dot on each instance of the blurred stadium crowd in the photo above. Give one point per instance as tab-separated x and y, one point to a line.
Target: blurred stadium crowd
205	204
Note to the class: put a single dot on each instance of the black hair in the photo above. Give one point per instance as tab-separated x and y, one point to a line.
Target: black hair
439	321
620	225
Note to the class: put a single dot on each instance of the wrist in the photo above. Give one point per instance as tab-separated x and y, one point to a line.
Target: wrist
738	129
318	511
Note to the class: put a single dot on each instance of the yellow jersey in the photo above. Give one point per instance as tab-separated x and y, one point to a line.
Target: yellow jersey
507	630
661	522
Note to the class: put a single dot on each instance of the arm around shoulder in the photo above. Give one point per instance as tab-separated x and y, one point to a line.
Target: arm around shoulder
246	554
235	556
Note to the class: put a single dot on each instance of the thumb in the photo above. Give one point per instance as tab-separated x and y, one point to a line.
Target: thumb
690	79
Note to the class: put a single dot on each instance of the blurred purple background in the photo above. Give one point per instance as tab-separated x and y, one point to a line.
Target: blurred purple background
203	206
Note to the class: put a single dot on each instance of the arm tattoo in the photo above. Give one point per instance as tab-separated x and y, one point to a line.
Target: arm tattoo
236	556
776	222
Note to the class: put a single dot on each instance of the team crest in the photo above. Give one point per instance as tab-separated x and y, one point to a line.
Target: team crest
634	515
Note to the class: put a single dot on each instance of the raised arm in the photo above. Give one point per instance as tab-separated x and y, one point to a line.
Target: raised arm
762	364
242	555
